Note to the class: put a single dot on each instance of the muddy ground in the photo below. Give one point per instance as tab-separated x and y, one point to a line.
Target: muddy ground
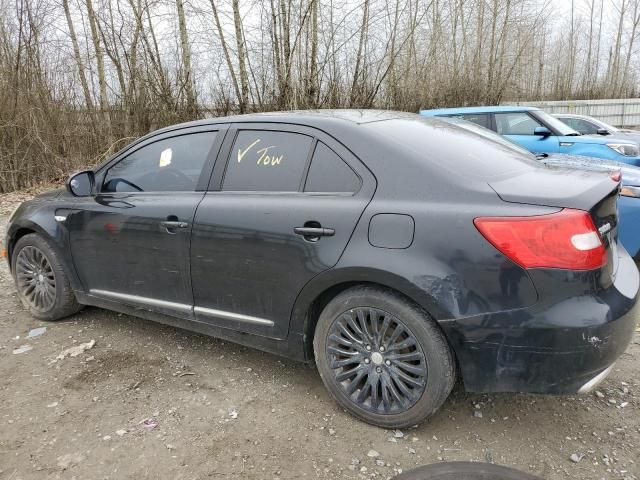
151	401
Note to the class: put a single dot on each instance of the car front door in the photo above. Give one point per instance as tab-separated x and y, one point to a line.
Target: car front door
520	127
130	241
281	208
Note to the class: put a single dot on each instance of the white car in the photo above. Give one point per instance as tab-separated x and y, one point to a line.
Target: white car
587	125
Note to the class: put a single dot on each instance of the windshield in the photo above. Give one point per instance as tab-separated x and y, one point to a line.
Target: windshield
562	128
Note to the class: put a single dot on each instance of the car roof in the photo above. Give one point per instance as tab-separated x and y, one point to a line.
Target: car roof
488	109
347	124
314	118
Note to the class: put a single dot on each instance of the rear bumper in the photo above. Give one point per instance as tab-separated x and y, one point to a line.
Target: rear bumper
595	381
557	346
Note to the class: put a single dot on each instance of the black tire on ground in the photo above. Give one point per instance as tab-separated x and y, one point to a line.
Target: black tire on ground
426	369
465	471
34	261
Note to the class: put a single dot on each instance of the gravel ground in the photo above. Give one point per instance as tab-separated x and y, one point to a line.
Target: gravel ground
151	401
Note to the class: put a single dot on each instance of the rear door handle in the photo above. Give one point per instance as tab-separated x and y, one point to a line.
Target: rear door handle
314	231
171	224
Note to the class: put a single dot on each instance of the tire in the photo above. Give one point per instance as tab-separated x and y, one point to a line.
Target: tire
41	281
418	364
465	471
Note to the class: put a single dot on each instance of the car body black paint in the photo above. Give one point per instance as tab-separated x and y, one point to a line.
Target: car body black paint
509	327
118	244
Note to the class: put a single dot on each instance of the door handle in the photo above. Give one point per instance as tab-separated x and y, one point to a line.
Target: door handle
314	232
171	224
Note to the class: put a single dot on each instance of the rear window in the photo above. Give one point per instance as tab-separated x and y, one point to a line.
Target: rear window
460	151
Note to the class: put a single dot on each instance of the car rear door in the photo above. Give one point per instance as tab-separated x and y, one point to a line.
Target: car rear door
130	241
520	126
282	205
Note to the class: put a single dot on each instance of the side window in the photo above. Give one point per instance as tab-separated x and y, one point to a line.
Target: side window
329	173
580	125
481	119
516	123
267	161
169	165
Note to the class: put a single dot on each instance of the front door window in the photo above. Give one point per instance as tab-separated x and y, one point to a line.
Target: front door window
516	123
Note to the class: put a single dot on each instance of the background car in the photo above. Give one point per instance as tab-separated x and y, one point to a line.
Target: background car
540	132
382	246
629	201
592	126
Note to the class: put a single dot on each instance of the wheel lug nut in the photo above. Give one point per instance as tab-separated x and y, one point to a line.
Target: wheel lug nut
367	361
378	369
382	349
388	363
368	347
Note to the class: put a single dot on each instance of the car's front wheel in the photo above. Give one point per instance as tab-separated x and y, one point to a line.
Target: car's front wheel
41	281
382	357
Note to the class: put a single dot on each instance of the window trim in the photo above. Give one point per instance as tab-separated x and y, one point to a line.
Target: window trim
207	167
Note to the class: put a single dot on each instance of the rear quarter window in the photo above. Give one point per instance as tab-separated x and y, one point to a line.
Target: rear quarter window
328	173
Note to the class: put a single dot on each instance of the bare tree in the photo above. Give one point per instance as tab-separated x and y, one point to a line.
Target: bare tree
185	50
126	67
78	56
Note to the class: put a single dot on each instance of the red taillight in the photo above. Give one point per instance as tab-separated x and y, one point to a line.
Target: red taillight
567	239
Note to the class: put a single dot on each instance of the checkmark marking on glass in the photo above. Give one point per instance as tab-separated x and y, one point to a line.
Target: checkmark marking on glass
242	153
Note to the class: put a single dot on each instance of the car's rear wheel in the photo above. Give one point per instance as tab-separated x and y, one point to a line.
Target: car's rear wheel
41	281
382	357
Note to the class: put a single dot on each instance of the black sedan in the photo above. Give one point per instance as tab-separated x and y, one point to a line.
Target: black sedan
397	252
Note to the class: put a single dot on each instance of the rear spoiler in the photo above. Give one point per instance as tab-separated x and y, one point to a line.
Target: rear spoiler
563	188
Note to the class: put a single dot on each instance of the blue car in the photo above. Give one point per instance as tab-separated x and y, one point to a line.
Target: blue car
628	202
539	132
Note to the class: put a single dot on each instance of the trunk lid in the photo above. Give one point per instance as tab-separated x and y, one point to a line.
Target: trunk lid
556	187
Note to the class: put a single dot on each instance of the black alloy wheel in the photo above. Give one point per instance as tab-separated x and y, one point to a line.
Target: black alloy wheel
35	278
377	360
41	279
382	357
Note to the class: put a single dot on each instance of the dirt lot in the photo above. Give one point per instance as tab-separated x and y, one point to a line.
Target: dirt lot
150	401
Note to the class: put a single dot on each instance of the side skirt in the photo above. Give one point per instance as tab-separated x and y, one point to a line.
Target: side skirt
291	347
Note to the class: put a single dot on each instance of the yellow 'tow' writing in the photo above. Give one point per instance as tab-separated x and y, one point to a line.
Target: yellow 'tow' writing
264	159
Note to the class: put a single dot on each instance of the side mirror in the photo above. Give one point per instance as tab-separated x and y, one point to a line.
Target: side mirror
542	131
602	131
81	184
